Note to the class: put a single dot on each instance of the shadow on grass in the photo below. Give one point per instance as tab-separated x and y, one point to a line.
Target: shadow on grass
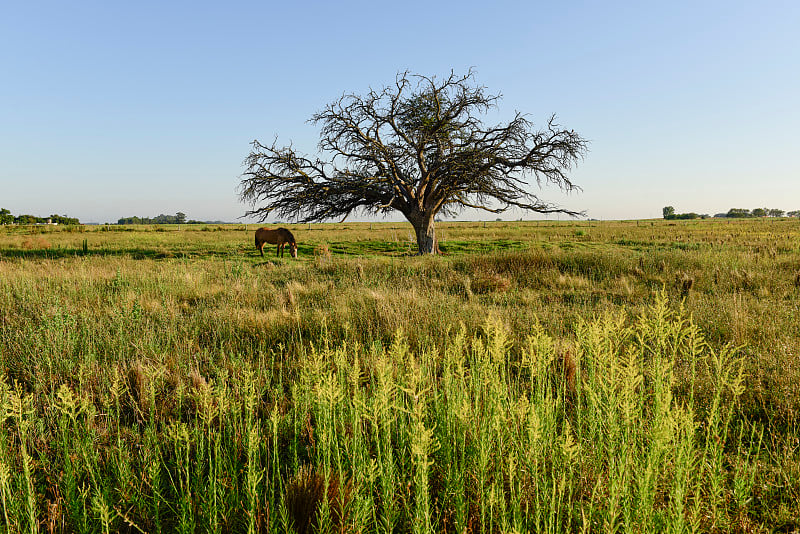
263	265
135	253
375	248
473	247
405	248
339	248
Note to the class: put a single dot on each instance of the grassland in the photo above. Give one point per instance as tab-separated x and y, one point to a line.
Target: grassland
539	377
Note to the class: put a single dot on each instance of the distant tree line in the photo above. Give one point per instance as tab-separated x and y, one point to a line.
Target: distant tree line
733	213
741	213
6	217
178	218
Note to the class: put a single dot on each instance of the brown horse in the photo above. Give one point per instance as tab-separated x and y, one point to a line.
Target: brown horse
279	237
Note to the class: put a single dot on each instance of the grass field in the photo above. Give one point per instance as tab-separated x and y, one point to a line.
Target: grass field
538	377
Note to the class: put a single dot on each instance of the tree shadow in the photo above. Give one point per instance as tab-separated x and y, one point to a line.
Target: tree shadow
379	248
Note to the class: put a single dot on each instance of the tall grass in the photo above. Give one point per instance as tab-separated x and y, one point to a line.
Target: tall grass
472	436
174	381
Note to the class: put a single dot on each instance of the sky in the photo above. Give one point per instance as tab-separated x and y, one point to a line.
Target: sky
116	109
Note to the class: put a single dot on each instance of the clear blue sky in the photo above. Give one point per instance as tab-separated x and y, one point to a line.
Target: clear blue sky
112	109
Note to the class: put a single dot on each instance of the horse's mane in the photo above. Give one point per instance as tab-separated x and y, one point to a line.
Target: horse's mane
288	233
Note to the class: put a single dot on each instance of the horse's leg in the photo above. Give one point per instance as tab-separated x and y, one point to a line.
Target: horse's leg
261	248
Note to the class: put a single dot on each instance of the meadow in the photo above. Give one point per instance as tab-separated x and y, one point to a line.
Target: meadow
584	376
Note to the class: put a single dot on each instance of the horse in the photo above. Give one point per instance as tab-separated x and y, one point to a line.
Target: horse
279	237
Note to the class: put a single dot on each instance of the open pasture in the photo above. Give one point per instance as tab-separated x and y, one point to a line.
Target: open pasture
539	376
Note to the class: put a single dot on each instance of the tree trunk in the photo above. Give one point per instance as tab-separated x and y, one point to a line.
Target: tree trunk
426	234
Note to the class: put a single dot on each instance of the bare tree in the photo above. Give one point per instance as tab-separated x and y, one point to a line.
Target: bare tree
418	147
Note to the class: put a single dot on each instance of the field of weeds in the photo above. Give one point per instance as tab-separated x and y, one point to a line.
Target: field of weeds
538	377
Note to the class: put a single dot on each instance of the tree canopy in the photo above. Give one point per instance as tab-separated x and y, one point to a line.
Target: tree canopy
419	147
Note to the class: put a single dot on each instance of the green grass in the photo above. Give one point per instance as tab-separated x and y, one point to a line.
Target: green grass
554	377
